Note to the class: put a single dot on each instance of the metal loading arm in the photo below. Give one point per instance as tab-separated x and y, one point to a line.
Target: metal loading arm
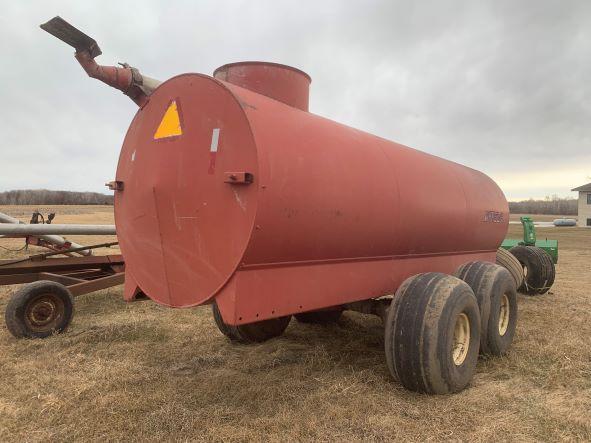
124	78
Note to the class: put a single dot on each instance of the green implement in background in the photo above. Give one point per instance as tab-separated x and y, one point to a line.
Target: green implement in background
529	239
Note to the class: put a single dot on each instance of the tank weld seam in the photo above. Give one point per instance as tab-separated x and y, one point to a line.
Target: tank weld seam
359	259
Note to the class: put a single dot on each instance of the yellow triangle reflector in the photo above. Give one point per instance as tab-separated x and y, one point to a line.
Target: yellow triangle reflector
170	125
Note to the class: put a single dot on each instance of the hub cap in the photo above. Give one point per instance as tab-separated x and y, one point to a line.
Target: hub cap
461	341
504	315
44	312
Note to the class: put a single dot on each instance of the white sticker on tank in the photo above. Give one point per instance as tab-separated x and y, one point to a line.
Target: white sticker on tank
215	137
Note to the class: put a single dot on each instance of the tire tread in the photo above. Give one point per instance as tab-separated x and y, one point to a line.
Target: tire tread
541	271
509	262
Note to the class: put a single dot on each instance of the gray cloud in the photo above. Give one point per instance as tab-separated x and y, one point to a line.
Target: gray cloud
500	86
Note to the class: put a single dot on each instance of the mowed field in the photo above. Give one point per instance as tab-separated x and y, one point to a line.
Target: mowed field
141	372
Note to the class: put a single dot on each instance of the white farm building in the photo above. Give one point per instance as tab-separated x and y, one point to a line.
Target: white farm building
584	204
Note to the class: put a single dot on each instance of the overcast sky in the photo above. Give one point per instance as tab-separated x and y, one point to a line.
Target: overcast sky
501	86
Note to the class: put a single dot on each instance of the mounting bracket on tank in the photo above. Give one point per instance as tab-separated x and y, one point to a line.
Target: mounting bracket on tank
126	78
115	185
238	178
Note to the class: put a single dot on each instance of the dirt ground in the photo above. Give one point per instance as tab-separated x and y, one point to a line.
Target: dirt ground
142	372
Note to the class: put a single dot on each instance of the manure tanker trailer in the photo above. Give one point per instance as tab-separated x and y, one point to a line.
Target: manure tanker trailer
229	193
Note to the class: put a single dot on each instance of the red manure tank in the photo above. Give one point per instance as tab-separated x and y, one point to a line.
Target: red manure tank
229	192
269	210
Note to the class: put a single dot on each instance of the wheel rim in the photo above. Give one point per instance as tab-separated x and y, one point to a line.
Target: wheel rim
504	315
461	342
44	312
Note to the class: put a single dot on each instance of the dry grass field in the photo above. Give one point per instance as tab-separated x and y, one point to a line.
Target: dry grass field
142	372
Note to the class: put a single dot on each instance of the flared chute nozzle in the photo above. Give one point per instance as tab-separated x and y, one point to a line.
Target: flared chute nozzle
127	79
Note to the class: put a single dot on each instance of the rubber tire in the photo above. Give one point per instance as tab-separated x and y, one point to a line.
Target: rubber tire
419	333
540	269
257	332
511	264
319	317
489	282
15	314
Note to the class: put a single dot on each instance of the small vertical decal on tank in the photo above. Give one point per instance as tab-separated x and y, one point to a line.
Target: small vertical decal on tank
215	138
213	150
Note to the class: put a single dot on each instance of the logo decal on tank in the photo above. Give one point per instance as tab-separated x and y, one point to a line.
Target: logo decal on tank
170	125
493	217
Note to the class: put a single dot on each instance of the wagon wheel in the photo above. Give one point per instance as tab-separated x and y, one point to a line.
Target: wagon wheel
256	332
538	268
39	309
494	288
432	334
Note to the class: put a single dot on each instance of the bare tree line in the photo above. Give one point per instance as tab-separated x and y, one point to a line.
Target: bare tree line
47	197
550	205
